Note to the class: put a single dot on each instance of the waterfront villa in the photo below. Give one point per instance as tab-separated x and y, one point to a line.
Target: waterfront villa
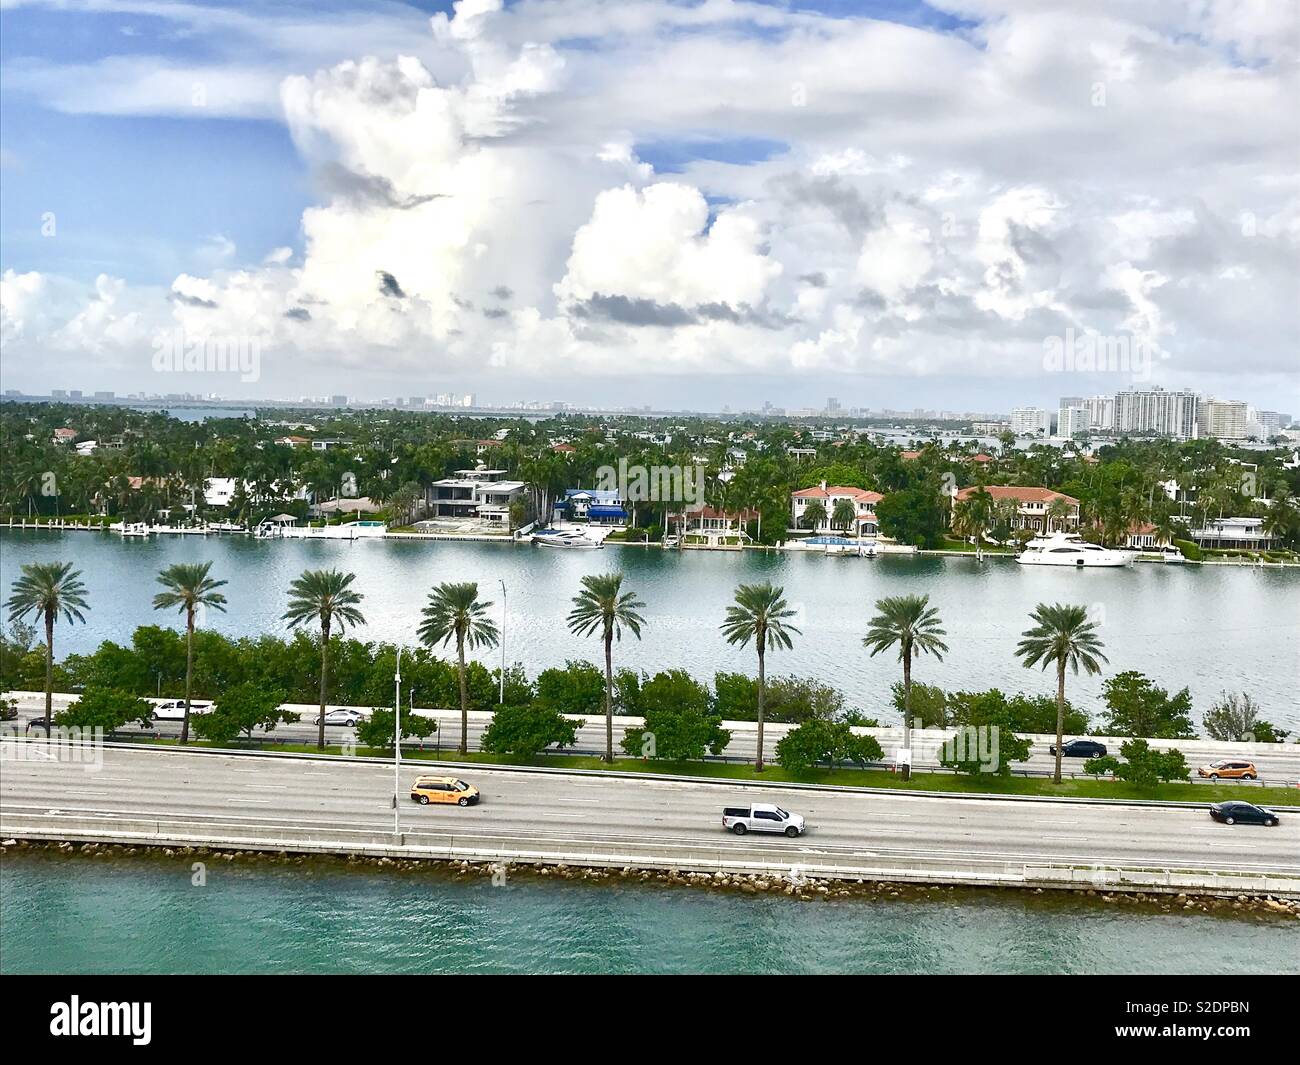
601	506
477	493
1032	506
715	527
863	503
1248	533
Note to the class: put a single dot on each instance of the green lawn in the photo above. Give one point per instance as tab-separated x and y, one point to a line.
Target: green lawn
969	548
859	778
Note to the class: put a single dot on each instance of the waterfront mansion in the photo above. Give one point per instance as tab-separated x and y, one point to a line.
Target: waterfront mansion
863	503
1036	508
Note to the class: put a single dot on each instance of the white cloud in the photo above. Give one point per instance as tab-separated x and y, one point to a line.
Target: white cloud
930	201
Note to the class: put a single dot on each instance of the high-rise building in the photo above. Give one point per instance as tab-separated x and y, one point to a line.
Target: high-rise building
1031	421
832	405
1101	412
1265	423
1072	418
338	401
1153	410
1222	419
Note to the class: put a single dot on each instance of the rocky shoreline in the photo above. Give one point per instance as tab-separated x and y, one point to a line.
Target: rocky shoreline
794	887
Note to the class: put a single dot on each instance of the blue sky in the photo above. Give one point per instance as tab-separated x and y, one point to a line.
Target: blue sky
891	202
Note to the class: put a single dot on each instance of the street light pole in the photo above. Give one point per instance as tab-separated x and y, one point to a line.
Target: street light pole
397	746
502	697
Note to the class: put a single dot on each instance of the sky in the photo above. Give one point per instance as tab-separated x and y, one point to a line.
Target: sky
680	204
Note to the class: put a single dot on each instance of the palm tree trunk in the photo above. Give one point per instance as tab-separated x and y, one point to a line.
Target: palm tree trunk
189	672
1060	717
762	701
464	694
609	696
907	711
49	670
324	672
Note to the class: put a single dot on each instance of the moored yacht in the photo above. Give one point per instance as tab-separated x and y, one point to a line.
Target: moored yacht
564	538
1070	549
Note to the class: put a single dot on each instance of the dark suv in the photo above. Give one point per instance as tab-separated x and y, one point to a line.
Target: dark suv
1080	749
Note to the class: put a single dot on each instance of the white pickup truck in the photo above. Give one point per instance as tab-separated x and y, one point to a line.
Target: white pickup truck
174	709
761	817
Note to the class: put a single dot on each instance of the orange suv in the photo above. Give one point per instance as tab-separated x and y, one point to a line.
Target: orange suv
1229	771
443	789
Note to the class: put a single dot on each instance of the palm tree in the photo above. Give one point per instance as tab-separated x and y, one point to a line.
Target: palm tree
973	515
323	595
814	514
49	590
455	610
844	515
189	588
910	622
1059	512
760	614
1063	635
603	607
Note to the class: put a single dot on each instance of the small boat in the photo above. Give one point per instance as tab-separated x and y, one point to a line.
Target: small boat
574	541
135	528
1163	553
1071	549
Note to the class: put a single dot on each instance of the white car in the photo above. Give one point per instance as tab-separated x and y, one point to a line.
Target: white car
761	817
340	717
174	709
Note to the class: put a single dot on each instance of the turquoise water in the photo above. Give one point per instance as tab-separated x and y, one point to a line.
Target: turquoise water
141	914
1210	628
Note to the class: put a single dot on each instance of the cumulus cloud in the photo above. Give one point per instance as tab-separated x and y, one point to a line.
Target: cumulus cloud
937	200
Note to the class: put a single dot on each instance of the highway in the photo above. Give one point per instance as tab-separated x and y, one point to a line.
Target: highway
1279	765
283	798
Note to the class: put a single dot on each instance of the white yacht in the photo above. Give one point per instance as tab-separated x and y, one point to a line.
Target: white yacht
1070	549
564	538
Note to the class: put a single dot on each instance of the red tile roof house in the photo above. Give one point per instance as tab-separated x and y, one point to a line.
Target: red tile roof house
65	436
713	524
564	449
864	504
1032	504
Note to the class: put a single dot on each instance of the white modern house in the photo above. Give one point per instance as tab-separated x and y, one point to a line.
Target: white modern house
478	493
1246	533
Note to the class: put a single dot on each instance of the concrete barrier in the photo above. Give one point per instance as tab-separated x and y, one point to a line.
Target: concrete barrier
730	858
925	742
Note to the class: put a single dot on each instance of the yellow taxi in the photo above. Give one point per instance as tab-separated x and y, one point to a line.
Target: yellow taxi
443	789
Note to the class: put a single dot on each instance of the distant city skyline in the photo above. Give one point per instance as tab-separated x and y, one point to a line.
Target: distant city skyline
1099	412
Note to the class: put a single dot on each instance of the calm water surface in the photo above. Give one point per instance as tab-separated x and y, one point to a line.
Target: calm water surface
141	914
1210	628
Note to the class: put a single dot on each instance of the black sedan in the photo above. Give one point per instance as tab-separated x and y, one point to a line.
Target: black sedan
1245	813
1080	749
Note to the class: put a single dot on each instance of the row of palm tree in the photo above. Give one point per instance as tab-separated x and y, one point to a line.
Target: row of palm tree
1062	636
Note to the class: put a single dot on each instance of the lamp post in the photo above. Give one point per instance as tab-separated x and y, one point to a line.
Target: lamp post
397	745
502	697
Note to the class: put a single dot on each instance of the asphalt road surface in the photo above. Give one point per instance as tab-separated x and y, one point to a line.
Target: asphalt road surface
267	796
